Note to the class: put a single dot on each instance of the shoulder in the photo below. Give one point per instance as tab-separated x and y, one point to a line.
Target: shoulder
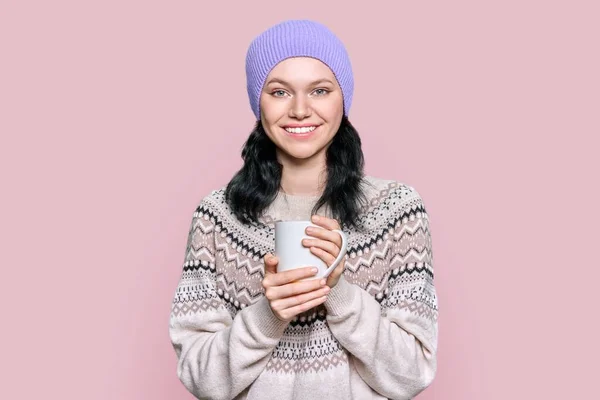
215	215
212	204
391	200
377	189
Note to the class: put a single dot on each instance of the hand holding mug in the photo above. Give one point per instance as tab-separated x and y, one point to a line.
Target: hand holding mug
318	244
287	295
327	245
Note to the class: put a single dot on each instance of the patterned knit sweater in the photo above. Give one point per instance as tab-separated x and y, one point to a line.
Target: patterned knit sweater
375	337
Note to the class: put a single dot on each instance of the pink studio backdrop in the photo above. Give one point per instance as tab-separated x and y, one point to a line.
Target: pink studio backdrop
117	117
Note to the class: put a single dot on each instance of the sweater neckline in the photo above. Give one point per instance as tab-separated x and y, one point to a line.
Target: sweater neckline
292	206
299	197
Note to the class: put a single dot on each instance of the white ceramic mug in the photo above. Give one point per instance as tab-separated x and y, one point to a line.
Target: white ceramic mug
293	254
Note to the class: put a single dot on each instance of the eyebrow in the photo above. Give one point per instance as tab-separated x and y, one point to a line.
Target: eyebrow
277	80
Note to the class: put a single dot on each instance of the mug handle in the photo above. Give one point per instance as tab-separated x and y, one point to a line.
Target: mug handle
340	256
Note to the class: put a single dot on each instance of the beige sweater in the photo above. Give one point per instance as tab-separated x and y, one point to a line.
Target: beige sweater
374	338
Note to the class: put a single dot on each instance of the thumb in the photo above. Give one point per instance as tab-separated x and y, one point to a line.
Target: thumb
270	264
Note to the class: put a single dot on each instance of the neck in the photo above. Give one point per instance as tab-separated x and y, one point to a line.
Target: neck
303	177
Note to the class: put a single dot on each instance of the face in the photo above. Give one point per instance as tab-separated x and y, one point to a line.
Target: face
301	107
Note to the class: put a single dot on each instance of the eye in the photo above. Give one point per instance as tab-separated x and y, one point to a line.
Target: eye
321	92
279	93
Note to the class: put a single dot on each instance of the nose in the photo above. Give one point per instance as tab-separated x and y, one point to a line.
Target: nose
300	108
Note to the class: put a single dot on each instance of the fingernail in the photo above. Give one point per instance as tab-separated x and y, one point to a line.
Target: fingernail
322	282
315	270
315	217
326	289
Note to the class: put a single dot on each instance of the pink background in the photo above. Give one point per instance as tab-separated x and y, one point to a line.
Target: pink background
117	117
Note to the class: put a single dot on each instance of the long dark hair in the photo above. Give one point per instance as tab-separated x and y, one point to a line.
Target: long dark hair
254	187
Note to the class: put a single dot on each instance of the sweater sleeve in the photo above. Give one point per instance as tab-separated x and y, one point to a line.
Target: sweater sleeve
392	336
219	354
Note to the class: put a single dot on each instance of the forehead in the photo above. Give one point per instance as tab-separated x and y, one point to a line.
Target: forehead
301	70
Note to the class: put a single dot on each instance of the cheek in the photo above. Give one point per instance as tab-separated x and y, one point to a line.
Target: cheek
271	110
333	109
334	118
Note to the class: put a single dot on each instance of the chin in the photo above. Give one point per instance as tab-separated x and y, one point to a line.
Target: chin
301	154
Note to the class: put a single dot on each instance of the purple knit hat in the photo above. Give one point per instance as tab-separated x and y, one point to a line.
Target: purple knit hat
296	38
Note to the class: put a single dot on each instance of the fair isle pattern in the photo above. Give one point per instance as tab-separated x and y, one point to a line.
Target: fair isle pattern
307	346
391	259
307	364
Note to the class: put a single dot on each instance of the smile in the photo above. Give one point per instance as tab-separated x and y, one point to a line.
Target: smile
302	130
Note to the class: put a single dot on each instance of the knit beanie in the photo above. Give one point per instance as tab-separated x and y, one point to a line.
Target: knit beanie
296	38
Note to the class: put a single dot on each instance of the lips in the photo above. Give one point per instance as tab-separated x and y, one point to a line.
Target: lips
301	132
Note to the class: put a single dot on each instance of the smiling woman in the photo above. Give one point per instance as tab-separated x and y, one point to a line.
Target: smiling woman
240	328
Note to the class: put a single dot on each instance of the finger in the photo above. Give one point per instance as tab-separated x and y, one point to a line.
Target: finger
325	222
327	257
292	312
325	234
293	289
289	302
270	264
326	245
285	277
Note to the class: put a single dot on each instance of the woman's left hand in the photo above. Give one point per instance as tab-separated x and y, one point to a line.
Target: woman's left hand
326	245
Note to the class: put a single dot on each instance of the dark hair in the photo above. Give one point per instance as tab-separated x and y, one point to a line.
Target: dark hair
257	183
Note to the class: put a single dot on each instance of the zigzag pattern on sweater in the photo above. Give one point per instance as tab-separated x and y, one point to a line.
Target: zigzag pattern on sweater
383	208
239	254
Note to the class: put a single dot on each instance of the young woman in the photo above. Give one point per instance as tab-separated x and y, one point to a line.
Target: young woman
240	329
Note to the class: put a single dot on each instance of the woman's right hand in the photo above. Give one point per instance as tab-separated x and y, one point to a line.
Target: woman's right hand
288	297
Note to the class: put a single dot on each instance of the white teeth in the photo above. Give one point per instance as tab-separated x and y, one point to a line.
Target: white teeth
305	129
